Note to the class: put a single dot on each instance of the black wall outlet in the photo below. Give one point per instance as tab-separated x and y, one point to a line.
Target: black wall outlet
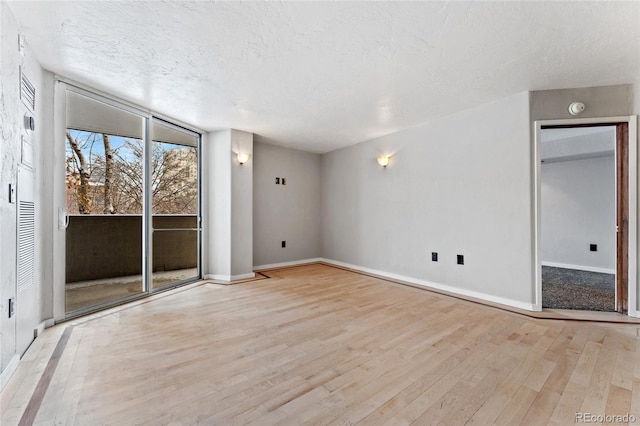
434	256
460	259
593	247
284	244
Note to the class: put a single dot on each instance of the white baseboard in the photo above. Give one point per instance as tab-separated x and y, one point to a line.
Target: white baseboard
436	286
229	278
38	330
285	264
634	314
44	324
579	267
8	372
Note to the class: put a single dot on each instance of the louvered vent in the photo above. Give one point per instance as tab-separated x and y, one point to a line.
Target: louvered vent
26	244
27	92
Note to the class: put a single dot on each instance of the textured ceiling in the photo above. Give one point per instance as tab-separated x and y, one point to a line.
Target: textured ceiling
319	76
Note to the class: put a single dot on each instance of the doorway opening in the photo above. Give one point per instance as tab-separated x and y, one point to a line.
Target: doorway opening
583	216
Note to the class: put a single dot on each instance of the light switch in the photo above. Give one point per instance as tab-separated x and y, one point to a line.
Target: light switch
12	193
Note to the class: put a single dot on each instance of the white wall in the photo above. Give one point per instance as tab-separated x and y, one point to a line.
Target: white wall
458	185
216	186
9	152
228	206
288	212
241	205
578	209
37	300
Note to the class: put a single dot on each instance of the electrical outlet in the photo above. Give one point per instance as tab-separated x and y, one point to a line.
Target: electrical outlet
284	244
593	247
460	259
434	256
284	181
277	181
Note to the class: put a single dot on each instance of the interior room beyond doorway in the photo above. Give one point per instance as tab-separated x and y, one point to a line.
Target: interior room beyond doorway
578	226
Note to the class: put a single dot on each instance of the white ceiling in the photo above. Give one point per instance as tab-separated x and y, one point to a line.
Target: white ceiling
577	143
320	76
547	135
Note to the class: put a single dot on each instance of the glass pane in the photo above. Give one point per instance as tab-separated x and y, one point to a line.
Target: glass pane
174	201
104	149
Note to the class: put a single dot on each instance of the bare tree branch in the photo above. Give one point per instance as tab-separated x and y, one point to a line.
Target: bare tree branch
108	175
82	197
115	178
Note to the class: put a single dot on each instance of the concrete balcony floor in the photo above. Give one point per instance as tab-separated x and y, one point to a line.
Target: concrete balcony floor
84	294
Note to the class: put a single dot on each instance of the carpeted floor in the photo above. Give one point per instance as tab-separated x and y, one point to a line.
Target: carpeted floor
582	290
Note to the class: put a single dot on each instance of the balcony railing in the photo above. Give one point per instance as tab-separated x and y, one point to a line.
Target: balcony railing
106	246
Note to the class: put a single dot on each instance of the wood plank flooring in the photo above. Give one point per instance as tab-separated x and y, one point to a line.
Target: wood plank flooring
320	345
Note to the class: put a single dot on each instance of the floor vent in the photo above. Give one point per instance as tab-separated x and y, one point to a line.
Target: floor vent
27	92
26	244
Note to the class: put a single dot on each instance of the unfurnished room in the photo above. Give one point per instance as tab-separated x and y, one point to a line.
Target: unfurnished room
313	213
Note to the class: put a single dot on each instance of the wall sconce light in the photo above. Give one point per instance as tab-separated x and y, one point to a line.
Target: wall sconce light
576	108
384	160
242	157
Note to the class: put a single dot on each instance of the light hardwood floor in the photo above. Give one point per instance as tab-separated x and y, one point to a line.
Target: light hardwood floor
320	345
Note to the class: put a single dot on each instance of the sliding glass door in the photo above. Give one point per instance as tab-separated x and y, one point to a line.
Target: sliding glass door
174	203
104	203
132	213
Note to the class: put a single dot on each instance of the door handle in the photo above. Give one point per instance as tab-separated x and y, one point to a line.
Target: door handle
63	218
